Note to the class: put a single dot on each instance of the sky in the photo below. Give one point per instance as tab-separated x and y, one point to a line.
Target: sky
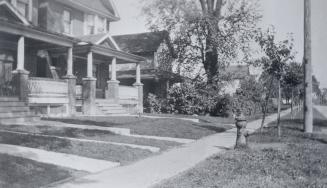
285	15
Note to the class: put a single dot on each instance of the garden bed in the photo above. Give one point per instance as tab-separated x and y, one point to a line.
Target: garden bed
114	153
294	160
16	172
98	135
154	127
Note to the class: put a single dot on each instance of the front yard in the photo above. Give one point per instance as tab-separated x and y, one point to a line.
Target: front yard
158	127
18	173
295	160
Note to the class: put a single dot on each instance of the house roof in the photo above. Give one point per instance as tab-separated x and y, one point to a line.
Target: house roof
141	42
238	71
102	7
99	39
14	12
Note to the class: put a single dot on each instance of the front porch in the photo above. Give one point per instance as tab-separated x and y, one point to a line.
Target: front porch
54	74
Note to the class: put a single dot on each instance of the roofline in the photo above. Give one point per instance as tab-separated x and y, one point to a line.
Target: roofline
110	52
36	34
108	35
14	10
107	15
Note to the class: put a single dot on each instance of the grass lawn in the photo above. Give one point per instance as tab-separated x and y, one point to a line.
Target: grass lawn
155	127
18	172
90	135
294	160
114	153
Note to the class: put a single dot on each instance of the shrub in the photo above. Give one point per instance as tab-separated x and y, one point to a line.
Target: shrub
153	104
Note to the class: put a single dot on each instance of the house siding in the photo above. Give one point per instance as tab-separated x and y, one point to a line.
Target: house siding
50	16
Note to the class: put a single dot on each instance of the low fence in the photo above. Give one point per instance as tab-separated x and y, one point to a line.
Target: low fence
47	91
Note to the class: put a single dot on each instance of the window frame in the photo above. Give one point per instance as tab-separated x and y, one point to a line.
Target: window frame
68	22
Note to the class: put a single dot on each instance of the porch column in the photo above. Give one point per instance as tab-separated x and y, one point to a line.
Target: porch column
20	74
113	83
89	88
138	84
71	80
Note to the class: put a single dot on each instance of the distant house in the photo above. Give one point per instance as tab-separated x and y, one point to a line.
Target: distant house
157	74
237	73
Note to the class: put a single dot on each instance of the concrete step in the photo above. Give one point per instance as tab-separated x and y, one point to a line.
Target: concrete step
12	104
114	112
20	119
9	99
14	114
14	109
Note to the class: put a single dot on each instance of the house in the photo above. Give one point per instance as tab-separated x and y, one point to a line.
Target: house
157	70
237	72
55	57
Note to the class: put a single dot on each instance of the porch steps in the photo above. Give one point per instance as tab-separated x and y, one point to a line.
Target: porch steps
13	110
108	107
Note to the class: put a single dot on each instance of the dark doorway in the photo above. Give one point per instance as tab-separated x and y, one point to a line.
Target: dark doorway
41	67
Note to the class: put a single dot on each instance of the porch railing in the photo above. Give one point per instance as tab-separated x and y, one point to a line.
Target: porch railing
8	89
47	91
127	92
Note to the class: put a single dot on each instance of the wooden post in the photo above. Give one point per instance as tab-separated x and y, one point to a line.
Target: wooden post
308	109
90	65
21	53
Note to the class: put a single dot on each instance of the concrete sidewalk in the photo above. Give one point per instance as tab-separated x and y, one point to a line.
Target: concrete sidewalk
148	172
322	110
60	159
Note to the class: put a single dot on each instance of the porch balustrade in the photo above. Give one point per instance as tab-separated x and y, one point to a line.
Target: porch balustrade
126	92
47	91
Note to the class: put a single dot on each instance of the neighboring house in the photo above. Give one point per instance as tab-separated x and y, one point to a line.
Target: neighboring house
237	73
157	70
55	56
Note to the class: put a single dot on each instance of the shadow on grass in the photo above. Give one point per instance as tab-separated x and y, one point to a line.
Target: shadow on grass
83	122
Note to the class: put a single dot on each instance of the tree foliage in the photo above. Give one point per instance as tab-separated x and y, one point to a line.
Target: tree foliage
206	34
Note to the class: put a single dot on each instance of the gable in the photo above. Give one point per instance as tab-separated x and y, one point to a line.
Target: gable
10	14
141	42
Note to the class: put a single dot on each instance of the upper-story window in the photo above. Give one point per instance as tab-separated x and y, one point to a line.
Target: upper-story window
101	25
22	6
90	24
67	22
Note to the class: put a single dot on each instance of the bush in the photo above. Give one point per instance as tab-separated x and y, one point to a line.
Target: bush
153	104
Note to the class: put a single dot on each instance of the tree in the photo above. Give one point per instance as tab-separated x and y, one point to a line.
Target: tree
291	81
277	54
206	34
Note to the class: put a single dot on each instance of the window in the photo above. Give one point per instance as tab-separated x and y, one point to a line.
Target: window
90	24
22	6
67	22
102	25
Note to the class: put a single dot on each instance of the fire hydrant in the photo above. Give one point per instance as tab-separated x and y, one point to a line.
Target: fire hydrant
242	133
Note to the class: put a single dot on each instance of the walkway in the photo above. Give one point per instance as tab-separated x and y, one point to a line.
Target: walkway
322	110
153	170
59	159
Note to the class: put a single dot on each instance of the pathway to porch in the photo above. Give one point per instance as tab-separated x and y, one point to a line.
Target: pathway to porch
167	165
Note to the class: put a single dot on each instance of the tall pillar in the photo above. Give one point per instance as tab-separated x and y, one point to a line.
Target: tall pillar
20	75
89	88
71	80
90	65
113	83
138	84
21	53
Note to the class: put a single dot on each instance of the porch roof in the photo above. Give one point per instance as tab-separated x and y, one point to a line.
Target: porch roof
109	52
36	33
